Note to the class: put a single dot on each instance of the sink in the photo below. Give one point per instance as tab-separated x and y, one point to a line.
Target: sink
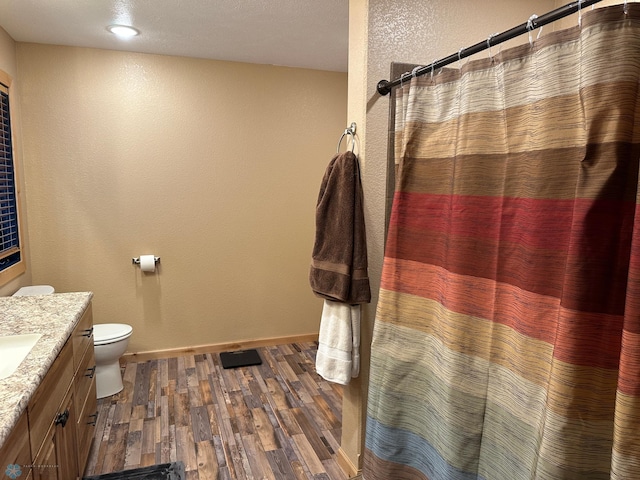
13	350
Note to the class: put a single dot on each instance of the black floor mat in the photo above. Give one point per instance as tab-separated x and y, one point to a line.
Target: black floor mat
240	358
165	471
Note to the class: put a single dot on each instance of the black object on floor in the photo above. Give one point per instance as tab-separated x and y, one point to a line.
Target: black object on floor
165	471
240	358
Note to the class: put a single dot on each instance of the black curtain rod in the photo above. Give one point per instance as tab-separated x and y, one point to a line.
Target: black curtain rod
385	86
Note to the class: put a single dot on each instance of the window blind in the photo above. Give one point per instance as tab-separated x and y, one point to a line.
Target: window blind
9	238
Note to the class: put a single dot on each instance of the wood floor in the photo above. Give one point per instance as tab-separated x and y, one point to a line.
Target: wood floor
278	420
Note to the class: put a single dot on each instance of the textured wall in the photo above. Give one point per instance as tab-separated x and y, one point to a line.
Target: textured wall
213	166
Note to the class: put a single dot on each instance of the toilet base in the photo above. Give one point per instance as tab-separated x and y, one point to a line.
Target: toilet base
108	379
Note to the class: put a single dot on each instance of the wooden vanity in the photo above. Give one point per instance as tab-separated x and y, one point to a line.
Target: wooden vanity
52	436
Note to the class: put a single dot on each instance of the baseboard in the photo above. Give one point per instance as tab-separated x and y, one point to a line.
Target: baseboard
216	348
346	465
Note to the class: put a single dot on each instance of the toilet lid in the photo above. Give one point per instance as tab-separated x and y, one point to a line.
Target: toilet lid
110	332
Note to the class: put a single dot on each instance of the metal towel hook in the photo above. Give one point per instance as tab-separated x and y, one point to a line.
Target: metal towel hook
351	130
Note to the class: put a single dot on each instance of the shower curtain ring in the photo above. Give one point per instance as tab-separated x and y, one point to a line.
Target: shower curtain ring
489	42
405	74
531	26
580	13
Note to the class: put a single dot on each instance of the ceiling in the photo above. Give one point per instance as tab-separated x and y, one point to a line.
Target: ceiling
293	33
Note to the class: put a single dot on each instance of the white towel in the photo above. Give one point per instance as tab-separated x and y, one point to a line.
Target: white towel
338	357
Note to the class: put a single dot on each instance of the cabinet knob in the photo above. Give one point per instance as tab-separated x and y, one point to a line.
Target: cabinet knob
90	372
95	419
61	418
88	332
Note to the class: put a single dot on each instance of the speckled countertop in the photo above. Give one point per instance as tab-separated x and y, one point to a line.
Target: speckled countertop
54	316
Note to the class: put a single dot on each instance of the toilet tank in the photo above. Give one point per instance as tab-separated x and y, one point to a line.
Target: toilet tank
31	290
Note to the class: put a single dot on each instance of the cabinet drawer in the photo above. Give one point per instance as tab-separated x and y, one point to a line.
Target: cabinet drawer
82	336
44	403
86	374
15	450
86	427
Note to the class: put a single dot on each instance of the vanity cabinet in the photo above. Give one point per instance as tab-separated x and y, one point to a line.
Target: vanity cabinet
62	411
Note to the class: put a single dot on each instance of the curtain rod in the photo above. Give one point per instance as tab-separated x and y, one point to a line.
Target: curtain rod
385	86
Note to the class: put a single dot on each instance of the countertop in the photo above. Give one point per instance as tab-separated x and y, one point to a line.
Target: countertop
54	316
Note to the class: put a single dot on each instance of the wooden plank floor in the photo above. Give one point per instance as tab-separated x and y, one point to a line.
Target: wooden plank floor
277	421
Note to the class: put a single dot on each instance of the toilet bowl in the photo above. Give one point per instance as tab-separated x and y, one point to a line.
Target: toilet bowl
110	341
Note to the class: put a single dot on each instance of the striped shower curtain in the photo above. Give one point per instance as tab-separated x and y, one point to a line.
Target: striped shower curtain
506	343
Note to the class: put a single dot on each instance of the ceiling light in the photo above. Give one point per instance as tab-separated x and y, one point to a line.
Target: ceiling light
123	30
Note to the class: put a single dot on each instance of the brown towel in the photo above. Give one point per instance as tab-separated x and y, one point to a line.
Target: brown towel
339	259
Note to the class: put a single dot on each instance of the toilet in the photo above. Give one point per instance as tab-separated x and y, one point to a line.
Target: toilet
110	341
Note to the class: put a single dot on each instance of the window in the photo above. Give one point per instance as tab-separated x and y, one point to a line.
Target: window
11	263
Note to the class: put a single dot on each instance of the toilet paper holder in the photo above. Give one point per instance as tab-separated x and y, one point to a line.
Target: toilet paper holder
136	261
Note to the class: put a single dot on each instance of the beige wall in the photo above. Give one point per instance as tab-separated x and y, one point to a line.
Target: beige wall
8	64
410	31
213	166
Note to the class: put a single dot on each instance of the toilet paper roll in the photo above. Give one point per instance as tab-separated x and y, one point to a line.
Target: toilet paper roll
148	263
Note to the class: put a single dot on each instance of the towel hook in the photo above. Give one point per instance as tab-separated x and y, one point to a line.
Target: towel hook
351	130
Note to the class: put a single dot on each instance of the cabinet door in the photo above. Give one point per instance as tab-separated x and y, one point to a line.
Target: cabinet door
57	459
50	394
65	438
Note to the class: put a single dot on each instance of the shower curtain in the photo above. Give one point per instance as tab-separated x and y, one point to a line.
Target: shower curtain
507	334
